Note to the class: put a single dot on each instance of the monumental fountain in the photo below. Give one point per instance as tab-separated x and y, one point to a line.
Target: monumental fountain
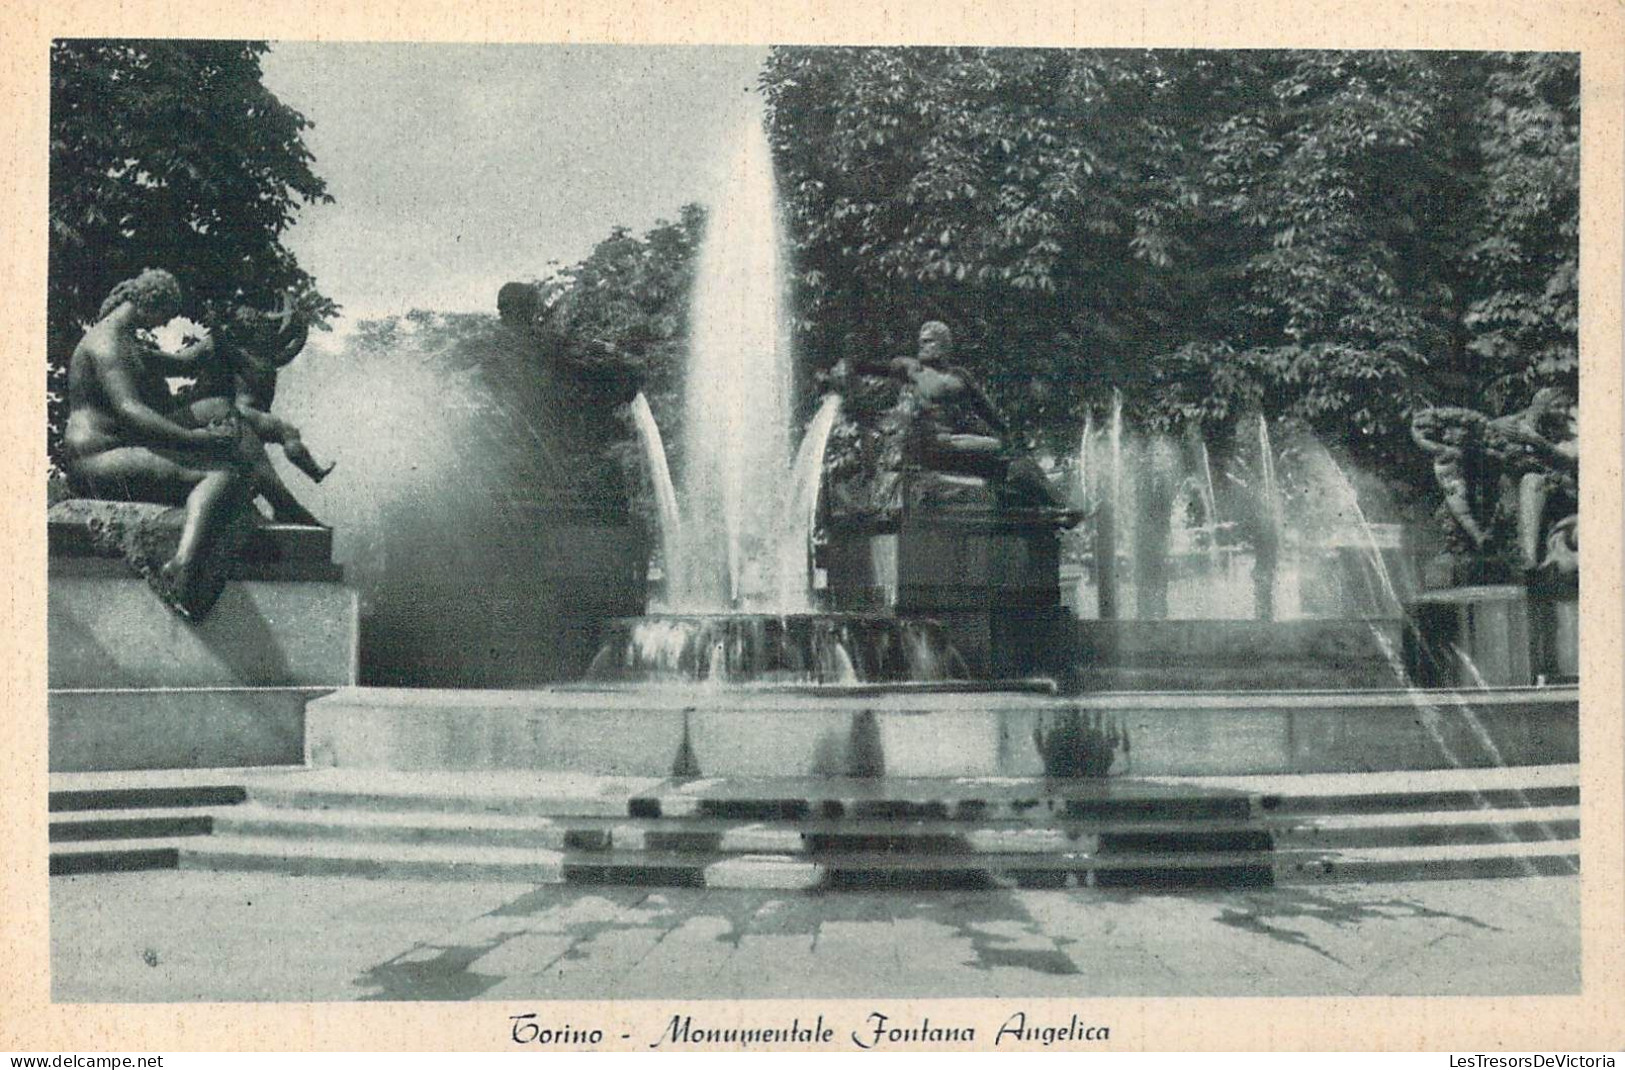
758	728
737	526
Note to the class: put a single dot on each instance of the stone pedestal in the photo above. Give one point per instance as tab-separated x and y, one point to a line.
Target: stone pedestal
933	732
133	686
1554	627
1496	635
1471	637
990	576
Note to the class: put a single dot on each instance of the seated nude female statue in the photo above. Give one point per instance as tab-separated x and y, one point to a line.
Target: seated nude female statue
127	439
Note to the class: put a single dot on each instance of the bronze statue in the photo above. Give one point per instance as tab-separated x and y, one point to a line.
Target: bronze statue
1474	458
237	366
944	422
128	440
576	384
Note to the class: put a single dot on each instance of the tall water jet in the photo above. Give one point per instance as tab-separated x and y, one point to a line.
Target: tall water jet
1269	530
737	527
1109	518
1271	485
1210	495
736	438
1085	444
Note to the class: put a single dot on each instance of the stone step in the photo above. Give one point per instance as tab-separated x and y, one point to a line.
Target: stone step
876	870
891	798
116	856
105	822
138	788
144	823
941	837
827	833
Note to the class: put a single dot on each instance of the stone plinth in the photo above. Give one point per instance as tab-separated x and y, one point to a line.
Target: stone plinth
989	575
1554	627
1471	637
134	686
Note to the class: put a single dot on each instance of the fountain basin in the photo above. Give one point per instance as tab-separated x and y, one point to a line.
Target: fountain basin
885	730
762	648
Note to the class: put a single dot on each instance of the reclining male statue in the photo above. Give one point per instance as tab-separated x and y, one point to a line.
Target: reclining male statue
944	422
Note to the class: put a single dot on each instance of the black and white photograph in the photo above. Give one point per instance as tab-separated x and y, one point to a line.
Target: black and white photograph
700	524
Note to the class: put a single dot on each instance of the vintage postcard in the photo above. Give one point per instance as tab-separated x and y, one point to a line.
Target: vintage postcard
888	529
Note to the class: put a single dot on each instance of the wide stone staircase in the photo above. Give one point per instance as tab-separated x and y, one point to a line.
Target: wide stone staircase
827	833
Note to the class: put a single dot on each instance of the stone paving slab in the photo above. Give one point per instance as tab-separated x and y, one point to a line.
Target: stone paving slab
160	937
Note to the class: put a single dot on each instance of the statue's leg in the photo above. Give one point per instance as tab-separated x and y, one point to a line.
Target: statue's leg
969	455
203	412
1532	494
1457	495
205	486
207	506
299	455
285	508
139	474
1027	478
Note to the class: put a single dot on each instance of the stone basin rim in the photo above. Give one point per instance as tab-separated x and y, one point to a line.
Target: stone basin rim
949	698
708	616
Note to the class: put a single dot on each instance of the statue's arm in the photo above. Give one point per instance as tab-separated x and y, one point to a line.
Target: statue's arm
119	385
294	343
846	367
984	405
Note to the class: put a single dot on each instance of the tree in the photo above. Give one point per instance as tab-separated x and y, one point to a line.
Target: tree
620	313
1523	319
170	154
1333	239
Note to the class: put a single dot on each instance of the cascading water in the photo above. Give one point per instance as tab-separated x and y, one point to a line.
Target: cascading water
653	449
1265	531
800	515
1085	469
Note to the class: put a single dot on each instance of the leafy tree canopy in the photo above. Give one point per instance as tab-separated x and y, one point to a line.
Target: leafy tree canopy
1331	238
171	154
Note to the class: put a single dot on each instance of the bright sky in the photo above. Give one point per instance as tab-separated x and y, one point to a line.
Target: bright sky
456	168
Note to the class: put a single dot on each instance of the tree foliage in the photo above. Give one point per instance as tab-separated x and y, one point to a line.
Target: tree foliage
614	322
630	298
171	154
1330	238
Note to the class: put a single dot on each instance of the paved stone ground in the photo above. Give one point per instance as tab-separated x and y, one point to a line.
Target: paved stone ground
179	936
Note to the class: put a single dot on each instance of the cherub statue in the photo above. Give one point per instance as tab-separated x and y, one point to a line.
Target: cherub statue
237	366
